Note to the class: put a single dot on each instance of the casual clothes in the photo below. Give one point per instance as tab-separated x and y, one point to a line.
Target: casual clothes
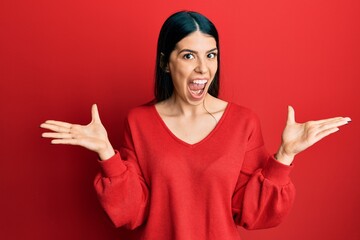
171	190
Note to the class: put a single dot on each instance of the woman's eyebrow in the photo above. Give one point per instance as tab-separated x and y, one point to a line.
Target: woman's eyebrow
193	51
212	50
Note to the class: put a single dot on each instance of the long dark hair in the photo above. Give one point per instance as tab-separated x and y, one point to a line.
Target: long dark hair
175	28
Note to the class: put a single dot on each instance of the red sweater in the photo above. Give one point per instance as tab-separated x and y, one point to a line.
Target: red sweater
171	190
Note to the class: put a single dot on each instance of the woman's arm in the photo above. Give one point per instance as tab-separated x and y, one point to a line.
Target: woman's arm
120	186
122	190
264	192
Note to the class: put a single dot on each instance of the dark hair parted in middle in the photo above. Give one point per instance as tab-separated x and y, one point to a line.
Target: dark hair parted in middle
175	28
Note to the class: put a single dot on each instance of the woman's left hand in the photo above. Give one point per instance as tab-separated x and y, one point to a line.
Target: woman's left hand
299	136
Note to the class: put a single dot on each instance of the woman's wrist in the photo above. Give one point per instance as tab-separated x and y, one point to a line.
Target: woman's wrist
283	157
107	152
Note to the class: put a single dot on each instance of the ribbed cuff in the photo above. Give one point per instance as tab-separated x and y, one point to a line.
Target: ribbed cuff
112	167
276	171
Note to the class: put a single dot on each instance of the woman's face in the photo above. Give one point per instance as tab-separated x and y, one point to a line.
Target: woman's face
192	65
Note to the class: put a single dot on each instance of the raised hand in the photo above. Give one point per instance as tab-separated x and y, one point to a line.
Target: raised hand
297	137
92	136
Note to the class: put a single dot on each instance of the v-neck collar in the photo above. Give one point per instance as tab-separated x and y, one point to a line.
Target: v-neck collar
206	138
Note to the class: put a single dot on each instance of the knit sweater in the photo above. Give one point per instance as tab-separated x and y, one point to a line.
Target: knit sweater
162	188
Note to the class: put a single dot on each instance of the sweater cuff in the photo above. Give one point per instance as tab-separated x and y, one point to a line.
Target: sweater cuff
277	172
112	167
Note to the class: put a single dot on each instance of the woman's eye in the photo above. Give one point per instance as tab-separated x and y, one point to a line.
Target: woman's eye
189	56
212	55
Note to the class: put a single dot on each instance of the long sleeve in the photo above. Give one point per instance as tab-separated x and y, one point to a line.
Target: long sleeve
121	188
264	193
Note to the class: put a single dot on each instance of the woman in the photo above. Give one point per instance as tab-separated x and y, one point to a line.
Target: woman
192	166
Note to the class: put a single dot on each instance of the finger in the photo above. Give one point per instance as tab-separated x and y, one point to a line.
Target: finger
95	113
57	135
65	141
59	123
291	115
325	133
55	128
332	124
332	119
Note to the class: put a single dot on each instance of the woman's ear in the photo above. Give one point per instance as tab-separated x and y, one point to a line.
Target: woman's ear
163	65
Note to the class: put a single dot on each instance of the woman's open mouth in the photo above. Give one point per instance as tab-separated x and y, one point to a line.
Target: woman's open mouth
197	87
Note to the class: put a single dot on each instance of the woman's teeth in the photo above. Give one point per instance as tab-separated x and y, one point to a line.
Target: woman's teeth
200	81
198	92
197	84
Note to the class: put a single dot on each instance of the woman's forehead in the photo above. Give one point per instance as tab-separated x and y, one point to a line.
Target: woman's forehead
197	41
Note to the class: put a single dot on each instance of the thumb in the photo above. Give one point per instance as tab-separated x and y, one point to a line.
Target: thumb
95	113
291	115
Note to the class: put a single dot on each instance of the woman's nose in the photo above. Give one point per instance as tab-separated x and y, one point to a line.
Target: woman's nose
201	66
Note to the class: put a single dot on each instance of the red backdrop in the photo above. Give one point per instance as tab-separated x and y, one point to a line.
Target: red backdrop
59	57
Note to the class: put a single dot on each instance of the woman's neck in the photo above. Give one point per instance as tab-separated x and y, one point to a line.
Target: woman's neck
176	106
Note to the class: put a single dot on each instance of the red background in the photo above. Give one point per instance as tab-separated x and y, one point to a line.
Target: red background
59	57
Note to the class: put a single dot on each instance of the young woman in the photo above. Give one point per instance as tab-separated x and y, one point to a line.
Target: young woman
192	166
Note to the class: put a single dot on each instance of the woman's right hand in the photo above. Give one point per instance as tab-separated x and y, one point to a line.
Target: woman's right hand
92	136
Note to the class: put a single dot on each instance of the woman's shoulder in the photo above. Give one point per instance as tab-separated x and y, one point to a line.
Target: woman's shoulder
240	109
239	115
141	111
218	104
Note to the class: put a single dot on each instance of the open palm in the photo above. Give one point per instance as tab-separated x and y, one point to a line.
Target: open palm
92	136
297	137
